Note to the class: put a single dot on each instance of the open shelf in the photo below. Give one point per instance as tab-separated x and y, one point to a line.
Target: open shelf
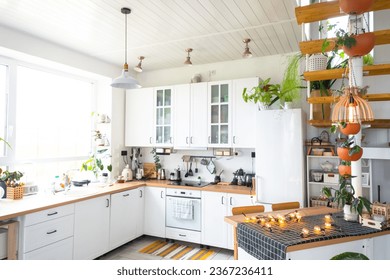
333	99
382	37
379	123
368	70
326	10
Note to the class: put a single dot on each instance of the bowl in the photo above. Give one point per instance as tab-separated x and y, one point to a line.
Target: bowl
317	176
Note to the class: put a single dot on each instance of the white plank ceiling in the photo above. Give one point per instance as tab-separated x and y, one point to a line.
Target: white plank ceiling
160	30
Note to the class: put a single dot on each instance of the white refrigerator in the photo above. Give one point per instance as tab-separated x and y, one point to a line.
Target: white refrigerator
280	157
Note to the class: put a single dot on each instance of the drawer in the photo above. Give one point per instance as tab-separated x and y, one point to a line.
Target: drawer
183	234
61	250
49	214
331	178
42	234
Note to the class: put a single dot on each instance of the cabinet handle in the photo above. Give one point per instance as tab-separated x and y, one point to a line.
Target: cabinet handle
108	203
231	201
51	232
222	200
182	235
150	140
162	194
187	140
191	140
140	193
234	139
52	214
125	195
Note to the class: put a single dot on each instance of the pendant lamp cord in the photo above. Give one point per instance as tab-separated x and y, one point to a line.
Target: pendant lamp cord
126	38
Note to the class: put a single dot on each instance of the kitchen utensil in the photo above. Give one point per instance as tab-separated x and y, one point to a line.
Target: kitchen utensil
162	175
204	161
211	167
196	166
190	172
248	179
186	175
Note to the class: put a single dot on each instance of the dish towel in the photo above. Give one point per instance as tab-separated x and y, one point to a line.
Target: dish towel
183	209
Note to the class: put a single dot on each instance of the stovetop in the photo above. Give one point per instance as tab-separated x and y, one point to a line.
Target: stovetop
194	184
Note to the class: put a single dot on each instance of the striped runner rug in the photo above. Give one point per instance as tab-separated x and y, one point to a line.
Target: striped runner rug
175	251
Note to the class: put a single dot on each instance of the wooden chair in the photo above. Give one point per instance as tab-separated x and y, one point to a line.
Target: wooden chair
247	209
285	205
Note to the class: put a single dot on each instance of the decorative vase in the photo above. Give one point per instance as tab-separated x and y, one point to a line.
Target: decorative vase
343	153
355	6
365	42
321	111
350	128
350	214
344	170
317	62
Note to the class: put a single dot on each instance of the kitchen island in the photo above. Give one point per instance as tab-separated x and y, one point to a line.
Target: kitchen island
256	241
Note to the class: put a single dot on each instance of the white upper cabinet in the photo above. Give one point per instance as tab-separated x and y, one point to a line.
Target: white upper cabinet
219	114
190	116
163	107
244	114
139	124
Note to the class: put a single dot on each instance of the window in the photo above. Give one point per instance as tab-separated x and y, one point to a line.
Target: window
3	107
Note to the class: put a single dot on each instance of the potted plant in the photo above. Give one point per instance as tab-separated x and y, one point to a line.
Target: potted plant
353	44
290	87
346	128
157	161
99	141
345	168
349	151
265	94
346	199
355	6
95	164
11	181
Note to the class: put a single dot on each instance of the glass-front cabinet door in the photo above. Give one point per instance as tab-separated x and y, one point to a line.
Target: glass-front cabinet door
219	113
163	112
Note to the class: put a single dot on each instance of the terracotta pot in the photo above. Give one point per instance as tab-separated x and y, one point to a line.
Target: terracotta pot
365	42
355	6
350	128
343	154
344	170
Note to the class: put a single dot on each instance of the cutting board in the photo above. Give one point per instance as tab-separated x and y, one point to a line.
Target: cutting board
150	170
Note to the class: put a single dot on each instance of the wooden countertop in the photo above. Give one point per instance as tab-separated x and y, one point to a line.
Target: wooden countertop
10	209
311	211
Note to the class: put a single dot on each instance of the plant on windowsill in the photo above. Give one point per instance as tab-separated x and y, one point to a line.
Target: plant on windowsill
264	94
345	198
95	163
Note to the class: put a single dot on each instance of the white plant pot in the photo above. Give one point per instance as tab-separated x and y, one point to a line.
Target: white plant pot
350	214
99	142
263	106
288	105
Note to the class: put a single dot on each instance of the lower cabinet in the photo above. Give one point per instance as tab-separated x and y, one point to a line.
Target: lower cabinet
47	234
215	206
123	217
154	217
140	211
91	228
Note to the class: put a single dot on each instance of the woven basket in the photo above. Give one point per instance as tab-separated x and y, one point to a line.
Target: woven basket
317	201
15	193
317	62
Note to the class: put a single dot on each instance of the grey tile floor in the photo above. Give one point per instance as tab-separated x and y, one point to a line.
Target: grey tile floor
129	251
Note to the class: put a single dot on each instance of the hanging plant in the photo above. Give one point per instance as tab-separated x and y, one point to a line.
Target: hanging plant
345	168
349	151
355	7
346	128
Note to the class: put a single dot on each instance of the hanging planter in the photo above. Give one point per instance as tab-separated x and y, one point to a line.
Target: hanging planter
349	151
356	7
359	45
345	168
349	128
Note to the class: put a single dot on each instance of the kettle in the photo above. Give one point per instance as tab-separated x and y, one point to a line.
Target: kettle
127	173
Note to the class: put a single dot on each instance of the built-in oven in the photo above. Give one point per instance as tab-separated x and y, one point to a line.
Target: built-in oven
183	215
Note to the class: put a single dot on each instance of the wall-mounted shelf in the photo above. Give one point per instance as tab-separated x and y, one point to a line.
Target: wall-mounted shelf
333	99
378	123
368	70
382	37
310	13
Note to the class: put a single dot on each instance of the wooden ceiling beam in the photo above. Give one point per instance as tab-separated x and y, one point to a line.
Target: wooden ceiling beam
326	10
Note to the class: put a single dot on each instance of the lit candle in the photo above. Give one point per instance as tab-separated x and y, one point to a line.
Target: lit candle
328	218
268	226
262	221
305	232
317	229
253	218
328	225
247	219
292	215
282	221
272	220
299	217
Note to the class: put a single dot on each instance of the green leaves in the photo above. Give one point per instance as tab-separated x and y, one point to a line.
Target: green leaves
264	92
